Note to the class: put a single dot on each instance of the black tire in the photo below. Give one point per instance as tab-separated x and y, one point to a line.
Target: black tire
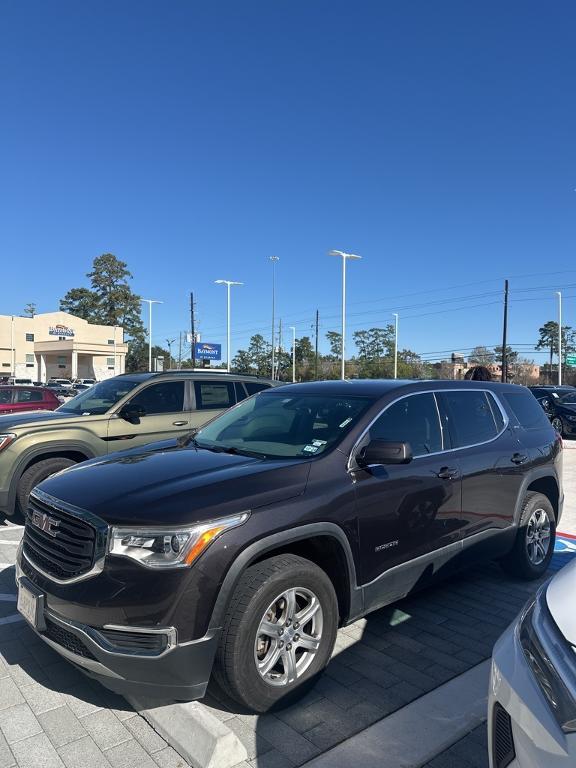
558	425
518	561
35	474
236	669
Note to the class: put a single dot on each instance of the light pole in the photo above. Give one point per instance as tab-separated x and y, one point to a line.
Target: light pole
344	257
228	283
395	345
170	342
150	302
559	294
273	259
293	329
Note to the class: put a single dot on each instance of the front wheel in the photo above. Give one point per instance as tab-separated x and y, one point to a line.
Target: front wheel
278	634
534	545
35	474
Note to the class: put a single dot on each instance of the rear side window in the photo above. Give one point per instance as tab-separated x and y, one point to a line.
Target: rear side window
214	394
29	396
5	396
527	409
411	420
471	417
253	386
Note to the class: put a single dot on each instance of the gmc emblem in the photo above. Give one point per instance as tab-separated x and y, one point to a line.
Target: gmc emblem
45	523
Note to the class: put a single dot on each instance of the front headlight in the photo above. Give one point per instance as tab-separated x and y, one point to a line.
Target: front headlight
6	439
551	659
174	547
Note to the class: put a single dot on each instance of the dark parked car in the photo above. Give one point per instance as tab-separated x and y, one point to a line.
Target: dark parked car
18	398
241	549
559	404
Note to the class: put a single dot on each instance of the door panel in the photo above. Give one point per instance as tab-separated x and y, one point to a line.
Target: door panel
490	478
409	510
165	415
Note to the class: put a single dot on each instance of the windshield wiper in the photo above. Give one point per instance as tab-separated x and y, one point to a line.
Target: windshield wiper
232	449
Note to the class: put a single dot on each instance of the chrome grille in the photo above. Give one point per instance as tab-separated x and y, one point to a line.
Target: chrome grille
71	545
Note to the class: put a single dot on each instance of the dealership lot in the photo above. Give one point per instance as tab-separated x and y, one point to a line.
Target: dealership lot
51	715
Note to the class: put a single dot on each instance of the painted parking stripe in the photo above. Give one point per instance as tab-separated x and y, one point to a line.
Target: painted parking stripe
8	598
15	542
12	619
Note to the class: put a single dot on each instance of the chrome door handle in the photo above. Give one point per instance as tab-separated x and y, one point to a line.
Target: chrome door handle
447	473
179	423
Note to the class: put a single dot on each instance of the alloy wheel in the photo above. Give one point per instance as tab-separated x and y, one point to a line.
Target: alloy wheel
538	536
288	636
557	424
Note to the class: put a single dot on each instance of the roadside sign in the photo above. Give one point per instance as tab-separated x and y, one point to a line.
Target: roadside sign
571	360
206	351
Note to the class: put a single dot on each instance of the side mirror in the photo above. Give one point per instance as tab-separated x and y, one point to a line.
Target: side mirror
383	452
132	413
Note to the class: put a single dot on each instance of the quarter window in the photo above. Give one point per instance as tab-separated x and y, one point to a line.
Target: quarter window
165	397
470	417
413	420
527	409
213	394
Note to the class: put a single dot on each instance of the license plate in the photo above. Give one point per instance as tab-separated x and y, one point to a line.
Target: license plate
31	605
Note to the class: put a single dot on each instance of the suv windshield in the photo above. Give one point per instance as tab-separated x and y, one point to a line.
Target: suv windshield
99	398
281	425
569	399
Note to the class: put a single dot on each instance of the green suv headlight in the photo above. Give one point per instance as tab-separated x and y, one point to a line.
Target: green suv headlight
170	547
552	660
6	439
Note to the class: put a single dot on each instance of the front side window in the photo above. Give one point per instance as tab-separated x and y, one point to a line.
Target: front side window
28	396
470	417
413	420
99	398
284	426
164	397
213	394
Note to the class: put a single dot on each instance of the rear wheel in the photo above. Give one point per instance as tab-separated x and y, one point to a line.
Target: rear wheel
278	634
534	545
35	474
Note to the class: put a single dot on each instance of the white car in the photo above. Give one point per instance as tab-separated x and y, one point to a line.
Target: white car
532	698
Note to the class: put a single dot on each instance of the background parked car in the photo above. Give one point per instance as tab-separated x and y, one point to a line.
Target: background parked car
559	404
120	412
64	383
532	704
15	399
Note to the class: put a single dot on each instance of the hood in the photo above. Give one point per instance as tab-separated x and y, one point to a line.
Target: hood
11	420
176	485
559	596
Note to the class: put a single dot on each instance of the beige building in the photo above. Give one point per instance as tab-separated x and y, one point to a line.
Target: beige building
59	345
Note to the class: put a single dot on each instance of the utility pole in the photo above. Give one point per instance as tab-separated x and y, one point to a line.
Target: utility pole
293	329
273	259
180	350
316	348
504	333
279	348
192	332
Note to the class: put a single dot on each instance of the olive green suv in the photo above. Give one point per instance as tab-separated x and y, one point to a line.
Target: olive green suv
121	412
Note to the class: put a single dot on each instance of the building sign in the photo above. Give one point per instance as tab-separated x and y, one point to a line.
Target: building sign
208	351
60	330
571	360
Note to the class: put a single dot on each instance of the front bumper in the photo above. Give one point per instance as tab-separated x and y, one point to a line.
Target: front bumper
179	671
538	740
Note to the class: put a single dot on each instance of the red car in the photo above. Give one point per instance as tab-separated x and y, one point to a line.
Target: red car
17	399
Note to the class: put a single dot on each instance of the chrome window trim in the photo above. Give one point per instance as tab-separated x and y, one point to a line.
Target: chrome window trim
352	466
100	545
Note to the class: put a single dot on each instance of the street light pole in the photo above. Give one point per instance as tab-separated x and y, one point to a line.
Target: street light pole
273	259
170	342
559	294
150	302
227	283
395	345
344	256
293	329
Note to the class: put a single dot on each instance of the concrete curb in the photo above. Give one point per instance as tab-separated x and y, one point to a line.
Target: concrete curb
198	736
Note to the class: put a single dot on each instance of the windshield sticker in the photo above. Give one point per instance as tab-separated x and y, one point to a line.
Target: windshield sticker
319	443
310	448
346	422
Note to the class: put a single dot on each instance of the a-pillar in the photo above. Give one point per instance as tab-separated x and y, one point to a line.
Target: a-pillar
74	364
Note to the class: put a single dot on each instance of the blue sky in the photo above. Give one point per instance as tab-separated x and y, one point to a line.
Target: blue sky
195	139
